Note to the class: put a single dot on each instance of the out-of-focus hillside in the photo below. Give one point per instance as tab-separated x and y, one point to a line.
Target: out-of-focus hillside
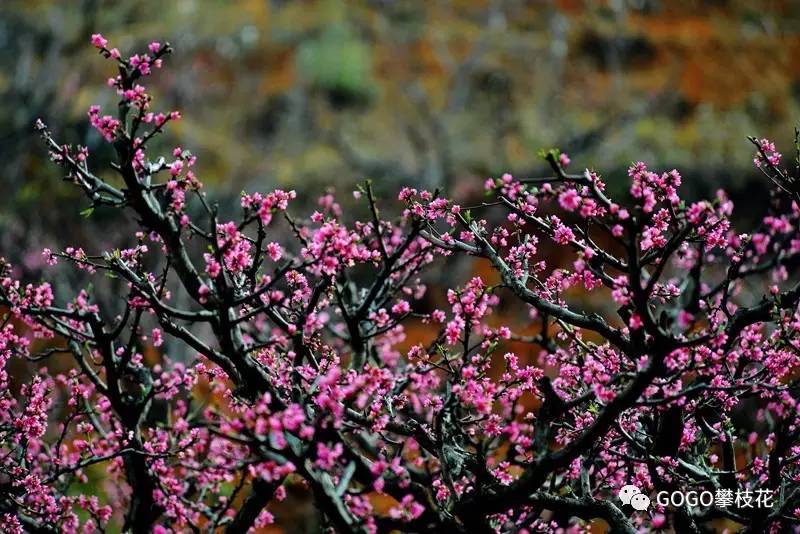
319	94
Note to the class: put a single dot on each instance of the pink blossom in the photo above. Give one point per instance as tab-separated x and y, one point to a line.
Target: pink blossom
98	41
569	199
274	251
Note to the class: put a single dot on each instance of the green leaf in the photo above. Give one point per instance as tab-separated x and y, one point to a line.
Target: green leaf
547	153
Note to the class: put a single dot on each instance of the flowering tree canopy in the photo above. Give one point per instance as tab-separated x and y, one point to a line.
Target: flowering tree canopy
663	354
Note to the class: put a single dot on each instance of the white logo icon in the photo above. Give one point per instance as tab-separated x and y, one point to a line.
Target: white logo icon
632	495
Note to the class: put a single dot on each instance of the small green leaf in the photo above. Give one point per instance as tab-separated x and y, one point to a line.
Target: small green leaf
548	153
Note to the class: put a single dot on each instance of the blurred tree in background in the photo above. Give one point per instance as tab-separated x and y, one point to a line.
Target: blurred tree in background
324	93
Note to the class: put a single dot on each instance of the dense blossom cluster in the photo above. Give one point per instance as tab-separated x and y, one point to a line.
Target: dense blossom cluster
663	351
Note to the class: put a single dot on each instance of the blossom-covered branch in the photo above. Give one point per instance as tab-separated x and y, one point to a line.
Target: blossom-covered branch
285	361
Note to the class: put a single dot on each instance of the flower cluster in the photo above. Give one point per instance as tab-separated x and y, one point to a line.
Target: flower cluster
228	363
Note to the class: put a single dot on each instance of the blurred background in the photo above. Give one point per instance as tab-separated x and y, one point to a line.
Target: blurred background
314	95
320	95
